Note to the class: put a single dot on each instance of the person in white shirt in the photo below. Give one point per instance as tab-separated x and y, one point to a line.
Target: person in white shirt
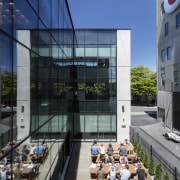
32	149
2	174
112	174
102	151
125	173
123	160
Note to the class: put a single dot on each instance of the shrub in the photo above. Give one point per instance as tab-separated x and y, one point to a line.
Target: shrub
151	166
166	176
158	172
145	160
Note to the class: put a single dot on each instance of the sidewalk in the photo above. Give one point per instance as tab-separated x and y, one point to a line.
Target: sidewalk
80	161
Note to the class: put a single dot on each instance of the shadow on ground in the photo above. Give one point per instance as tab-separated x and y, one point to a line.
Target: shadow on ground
152	114
73	164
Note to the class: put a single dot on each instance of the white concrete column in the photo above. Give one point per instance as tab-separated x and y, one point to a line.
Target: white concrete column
123	84
23	84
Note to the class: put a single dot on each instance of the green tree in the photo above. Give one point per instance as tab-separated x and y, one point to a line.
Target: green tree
143	83
166	176
135	144
151	166
158	172
145	160
9	87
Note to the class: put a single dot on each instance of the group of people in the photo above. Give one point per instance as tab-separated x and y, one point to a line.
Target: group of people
102	151
18	157
124	174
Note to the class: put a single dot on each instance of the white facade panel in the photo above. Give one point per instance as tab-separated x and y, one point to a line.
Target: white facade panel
123	85
23	86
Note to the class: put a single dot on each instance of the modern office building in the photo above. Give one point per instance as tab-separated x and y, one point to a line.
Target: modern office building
168	45
62	84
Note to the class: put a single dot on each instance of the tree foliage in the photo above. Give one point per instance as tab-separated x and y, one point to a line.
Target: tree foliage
143	82
166	176
9	86
158	172
151	166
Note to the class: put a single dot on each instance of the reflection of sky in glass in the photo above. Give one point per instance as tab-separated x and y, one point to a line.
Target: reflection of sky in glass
23	15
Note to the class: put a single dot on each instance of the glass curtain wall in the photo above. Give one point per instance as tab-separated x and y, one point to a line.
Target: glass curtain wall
26	37
95	85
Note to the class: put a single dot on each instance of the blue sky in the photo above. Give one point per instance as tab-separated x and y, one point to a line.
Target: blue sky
138	15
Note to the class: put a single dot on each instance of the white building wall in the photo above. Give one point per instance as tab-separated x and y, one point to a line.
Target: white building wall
23	84
165	91
123	84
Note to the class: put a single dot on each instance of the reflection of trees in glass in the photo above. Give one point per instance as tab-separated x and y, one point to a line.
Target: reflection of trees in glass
33	86
61	88
96	88
9	87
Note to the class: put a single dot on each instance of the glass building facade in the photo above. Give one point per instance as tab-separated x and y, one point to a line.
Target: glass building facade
58	83
22	24
79	89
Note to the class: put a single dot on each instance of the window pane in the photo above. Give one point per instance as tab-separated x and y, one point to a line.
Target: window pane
113	51
178	20
163	77
176	77
169	53
166	29
163	55
91	52
80	37
105	124
91	123
104	51
91	37
162	8
79	52
104	37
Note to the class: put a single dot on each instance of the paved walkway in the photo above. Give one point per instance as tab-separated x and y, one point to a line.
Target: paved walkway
79	163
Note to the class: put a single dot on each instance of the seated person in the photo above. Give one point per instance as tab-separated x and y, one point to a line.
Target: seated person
135	160
18	173
44	143
102	149
112	174
100	172
122	150
94	141
18	159
123	160
94	149
140	173
102	152
110	150
125	173
126	142
39	149
2	173
32	150
3	161
25	152
109	159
